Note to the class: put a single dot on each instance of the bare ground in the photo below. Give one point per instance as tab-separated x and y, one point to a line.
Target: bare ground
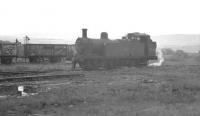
169	90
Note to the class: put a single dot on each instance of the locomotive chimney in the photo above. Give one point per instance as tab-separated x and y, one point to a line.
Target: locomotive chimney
84	33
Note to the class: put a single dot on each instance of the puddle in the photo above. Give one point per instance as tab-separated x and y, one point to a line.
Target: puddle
15	90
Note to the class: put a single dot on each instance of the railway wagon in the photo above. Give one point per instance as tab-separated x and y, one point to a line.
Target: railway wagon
35	53
51	52
7	52
134	49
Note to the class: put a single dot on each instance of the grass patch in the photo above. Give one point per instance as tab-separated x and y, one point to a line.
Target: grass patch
56	98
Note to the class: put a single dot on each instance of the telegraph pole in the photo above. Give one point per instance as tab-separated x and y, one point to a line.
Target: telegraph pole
26	41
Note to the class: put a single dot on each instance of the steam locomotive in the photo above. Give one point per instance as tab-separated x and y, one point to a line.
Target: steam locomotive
134	49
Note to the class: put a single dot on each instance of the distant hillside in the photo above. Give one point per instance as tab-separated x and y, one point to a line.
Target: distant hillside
7	39
34	40
188	43
1	41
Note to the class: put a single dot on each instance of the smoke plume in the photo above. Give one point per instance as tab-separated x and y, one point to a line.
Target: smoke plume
160	59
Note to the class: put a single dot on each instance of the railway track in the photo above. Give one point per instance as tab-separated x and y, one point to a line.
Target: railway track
9	73
40	77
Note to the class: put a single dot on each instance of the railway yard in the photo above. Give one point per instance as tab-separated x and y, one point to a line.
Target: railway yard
99	58
56	90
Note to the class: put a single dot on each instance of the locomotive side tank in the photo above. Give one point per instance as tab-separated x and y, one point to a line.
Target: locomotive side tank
132	50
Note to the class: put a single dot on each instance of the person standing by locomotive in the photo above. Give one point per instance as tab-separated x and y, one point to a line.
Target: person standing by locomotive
74	58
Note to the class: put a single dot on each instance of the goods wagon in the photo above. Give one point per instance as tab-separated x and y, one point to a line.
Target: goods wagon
7	52
51	52
35	52
134	49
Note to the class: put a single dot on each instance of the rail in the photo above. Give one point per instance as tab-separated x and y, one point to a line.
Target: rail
39	77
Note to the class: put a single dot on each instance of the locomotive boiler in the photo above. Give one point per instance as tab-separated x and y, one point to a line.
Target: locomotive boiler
134	49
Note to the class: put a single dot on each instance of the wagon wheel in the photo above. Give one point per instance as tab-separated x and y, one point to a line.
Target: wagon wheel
32	59
6	60
54	59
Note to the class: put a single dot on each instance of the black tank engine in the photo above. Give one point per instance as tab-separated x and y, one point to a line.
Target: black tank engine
134	49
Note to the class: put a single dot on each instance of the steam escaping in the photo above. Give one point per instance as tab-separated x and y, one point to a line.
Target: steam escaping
160	59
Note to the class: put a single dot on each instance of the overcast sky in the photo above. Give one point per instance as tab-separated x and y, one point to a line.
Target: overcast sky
64	19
